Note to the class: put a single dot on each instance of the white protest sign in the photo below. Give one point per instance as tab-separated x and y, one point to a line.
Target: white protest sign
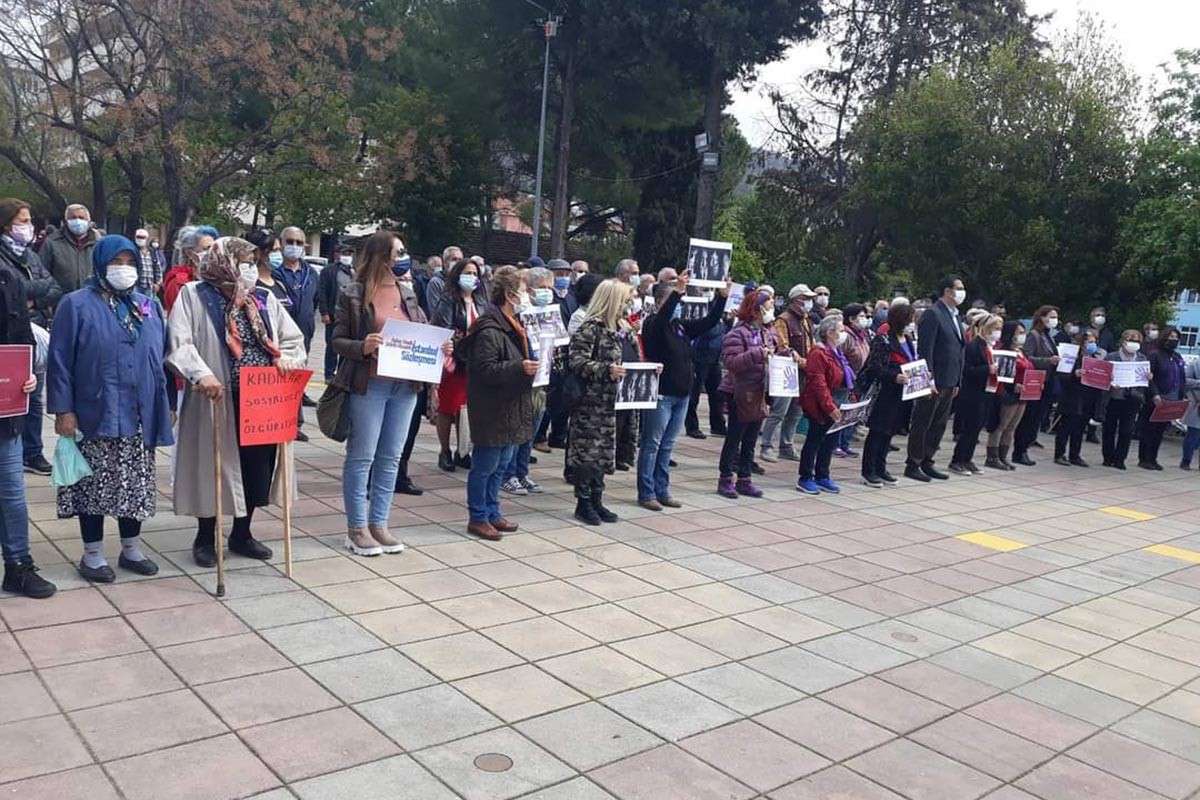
411	351
708	263
920	380
852	414
638	389
545	357
737	293
1127	374
783	377
1068	354
692	309
540	320
1006	365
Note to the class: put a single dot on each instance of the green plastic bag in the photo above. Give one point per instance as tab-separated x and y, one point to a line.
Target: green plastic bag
70	467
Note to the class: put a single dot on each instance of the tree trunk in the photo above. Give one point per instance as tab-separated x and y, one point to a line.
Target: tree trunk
137	189
560	215
99	207
706	191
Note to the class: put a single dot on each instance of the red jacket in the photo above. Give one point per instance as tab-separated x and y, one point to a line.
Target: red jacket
824	375
173	282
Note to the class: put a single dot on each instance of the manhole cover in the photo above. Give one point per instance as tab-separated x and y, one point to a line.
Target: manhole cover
494	762
900	636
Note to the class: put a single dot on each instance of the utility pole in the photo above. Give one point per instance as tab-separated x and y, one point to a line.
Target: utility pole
550	27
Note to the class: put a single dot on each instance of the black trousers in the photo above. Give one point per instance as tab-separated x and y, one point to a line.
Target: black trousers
1068	439
91	527
972	413
875	453
414	426
706	377
557	417
737	452
1150	437
627	435
1030	424
258	469
817	452
928	426
1118	430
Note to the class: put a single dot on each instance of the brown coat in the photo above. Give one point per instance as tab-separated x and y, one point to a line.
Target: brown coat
353	320
499	393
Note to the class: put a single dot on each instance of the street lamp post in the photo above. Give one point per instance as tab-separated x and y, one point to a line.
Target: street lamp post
550	26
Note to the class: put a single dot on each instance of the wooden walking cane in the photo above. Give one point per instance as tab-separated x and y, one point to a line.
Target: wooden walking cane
220	532
285	473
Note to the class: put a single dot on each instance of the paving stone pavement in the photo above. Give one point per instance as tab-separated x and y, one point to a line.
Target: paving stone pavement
792	648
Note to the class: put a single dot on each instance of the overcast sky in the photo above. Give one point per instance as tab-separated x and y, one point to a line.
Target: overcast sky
1149	31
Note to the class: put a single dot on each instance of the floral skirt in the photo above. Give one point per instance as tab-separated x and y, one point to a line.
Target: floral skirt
122	483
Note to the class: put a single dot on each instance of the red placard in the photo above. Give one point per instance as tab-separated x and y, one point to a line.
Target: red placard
1097	373
16	365
1169	410
270	404
1035	384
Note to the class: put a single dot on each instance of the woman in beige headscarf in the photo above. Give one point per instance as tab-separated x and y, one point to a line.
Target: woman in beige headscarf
218	325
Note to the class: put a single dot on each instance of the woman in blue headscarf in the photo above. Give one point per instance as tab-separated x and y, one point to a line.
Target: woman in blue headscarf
105	381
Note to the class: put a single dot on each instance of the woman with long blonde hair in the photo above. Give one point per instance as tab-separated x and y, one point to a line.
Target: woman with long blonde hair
595	358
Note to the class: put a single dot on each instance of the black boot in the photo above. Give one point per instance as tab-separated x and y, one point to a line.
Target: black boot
20	577
404	484
585	512
603	513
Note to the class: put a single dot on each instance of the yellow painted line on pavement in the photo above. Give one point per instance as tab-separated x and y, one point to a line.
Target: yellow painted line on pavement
1128	513
1175	552
992	541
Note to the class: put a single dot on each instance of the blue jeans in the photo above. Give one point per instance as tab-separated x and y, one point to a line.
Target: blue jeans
488	465
379	426
1191	440
32	436
660	429
14	514
518	467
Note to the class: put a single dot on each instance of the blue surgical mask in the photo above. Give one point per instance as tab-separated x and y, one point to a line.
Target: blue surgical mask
1090	348
468	282
634	279
542	297
401	265
276	258
78	227
293	252
562	284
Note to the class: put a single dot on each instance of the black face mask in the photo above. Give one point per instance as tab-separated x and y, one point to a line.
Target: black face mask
1170	344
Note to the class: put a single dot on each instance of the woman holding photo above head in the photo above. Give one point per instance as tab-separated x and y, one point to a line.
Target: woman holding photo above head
1168	373
889	352
1010	407
827	371
977	392
1121	404
1042	352
744	354
462	302
218	326
1076	404
380	408
106	381
595	357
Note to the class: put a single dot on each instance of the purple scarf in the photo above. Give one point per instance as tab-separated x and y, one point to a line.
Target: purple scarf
847	372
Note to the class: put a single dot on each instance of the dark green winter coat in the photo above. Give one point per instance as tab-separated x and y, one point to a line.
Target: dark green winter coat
591	440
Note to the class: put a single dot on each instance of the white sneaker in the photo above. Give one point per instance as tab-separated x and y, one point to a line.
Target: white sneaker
531	486
768	456
360	542
514	487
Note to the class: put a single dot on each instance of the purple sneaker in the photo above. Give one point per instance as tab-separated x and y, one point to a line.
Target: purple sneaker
840	453
725	488
746	487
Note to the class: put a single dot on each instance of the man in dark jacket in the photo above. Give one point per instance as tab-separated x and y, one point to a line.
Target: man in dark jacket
940	342
334	278
668	340
16	233
706	378
299	282
67	253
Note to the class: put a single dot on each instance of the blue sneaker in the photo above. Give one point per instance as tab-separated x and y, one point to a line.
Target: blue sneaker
808	487
827	485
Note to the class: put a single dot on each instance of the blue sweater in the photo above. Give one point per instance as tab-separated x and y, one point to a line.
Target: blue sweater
109	382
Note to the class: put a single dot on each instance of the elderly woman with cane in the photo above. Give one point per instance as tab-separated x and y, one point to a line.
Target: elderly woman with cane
219	325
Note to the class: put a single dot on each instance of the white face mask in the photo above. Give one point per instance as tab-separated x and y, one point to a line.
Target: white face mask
1073	330
1052	323
1099	321
862	323
910	329
345	261
1152	335
823	300
993	337
1132	347
249	273
806	305
1020	340
142	241
959	296
842	337
768	315
121	277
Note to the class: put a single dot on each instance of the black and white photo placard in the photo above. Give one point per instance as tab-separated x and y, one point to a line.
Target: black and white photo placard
639	388
708	263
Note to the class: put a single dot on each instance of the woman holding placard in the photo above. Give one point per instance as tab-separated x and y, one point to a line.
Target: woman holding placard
219	325
1076	403
462	302
106	381
1168	375
827	370
380	408
1042	351
595	357
889	352
1010	408
1120	404
744	354
978	391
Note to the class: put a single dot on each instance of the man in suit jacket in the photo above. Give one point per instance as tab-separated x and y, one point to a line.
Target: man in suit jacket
940	342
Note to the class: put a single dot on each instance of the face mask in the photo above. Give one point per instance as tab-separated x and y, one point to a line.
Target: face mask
1073	330
562	284
121	277
993	337
468	282
1099	321
345	261
768	315
1090	348
142	241
199	256
293	252
522	302
1132	347
22	234
1170	344
1020	340
276	258
910	329
78	227
542	297
401	266
959	296
842	337
1152	335
249	273
822	300
862	323
634	279
806	306
1052	323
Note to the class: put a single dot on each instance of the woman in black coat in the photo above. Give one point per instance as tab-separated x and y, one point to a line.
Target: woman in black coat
1076	403
978	392
1042	351
882	370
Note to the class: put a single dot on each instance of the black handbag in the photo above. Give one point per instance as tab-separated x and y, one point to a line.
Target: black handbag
333	416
